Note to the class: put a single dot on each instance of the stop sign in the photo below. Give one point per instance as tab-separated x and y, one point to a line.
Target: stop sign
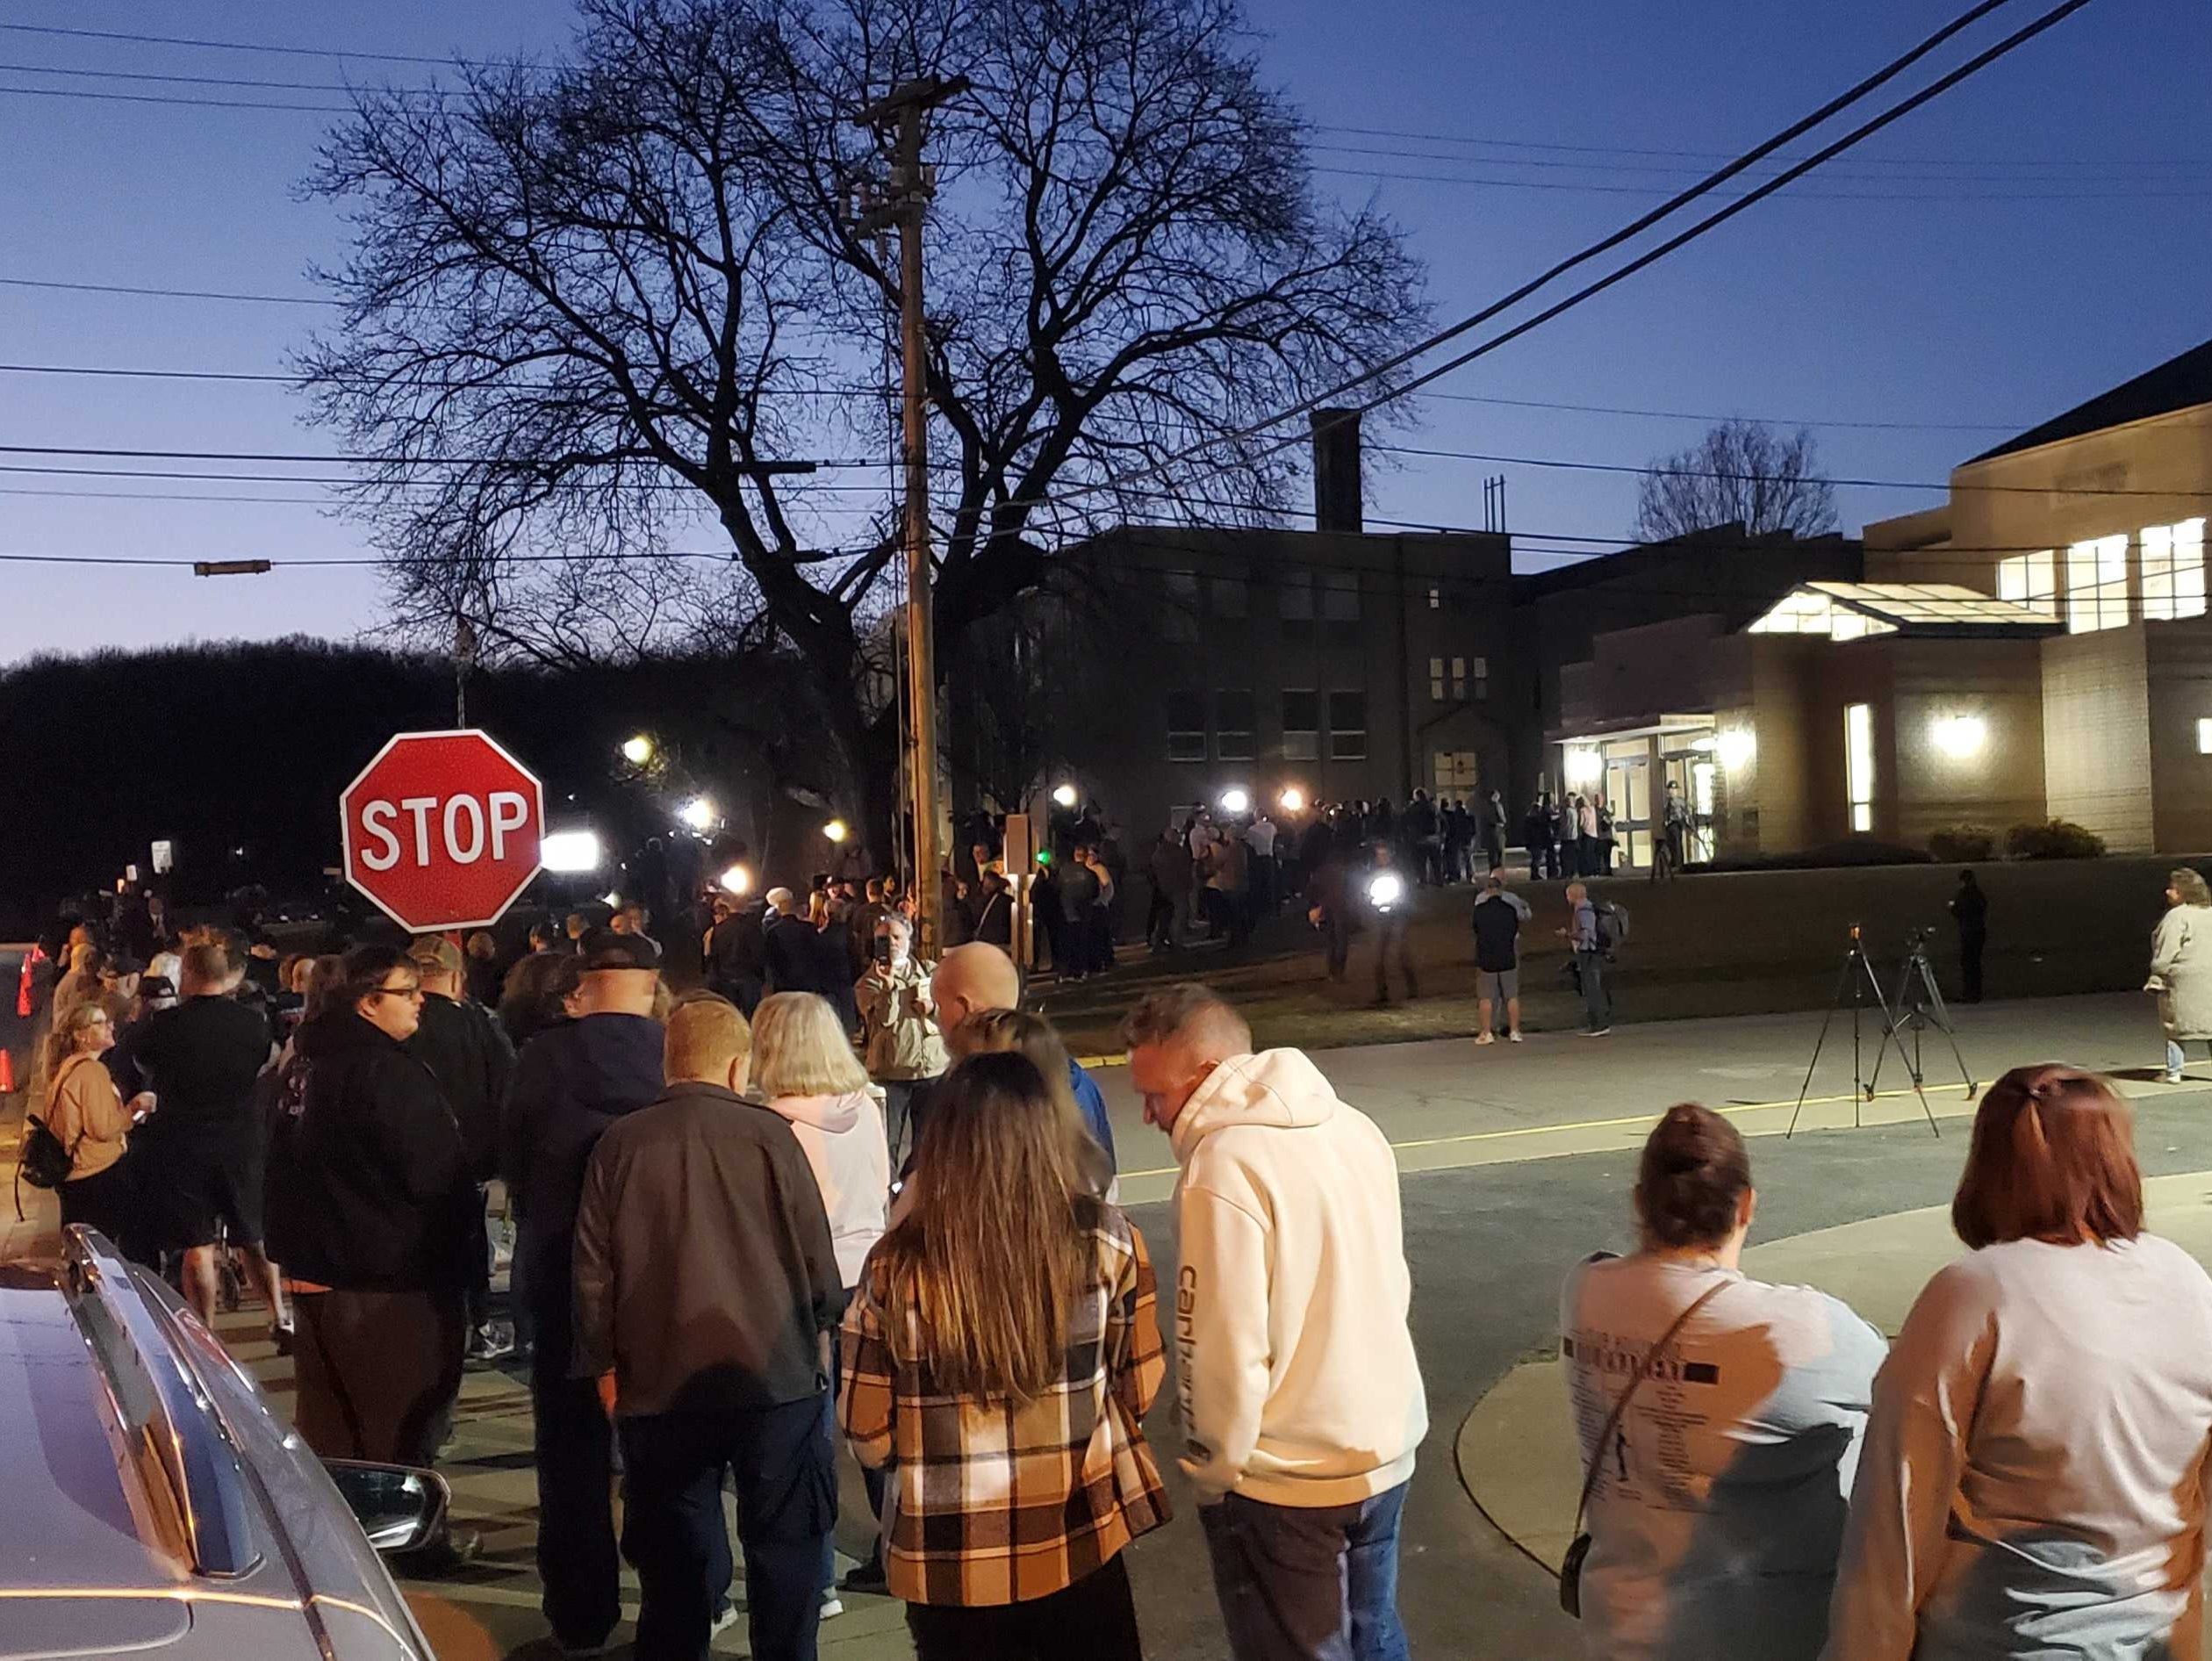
442	829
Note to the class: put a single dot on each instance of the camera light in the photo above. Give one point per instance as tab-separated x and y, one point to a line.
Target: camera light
738	880
570	851
698	814
1067	795
1293	799
837	829
638	751
1385	889
1236	800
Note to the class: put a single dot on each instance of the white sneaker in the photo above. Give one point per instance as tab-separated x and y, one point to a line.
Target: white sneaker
832	1606
1487	1038
725	1618
1512	1038
2174	1078
1597	1033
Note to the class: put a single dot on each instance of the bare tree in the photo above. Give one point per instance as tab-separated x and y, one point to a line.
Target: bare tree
1741	473
588	302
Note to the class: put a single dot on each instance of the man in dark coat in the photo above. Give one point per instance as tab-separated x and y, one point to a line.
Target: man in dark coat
572	1082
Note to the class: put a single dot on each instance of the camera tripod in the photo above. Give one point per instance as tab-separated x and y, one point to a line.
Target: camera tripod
1858	983
1919	1005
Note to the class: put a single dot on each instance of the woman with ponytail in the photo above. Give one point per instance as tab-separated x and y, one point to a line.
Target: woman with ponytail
2033	1478
1719	1419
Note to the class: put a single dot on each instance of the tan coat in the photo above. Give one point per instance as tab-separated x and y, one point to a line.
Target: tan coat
85	1110
2181	971
898	1042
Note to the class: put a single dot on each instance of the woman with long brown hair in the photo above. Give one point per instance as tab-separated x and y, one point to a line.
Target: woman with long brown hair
2033	1477
1018	1033
1015	1337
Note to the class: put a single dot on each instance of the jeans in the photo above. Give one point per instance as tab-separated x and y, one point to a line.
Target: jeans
674	1534
2176	1056
578	1568
1093	1620
1299	1585
900	1122
1390	942
1589	969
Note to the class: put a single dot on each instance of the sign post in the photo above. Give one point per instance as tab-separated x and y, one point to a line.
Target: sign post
442	829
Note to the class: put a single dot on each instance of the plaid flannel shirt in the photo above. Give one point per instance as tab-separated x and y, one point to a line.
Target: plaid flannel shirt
992	1503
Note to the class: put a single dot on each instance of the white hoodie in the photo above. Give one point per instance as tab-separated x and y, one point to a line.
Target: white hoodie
1297	1370
846	1144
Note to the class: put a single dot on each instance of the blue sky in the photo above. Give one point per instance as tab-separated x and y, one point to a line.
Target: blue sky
2031	238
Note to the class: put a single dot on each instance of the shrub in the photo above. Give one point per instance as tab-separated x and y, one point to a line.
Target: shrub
2059	839
1963	844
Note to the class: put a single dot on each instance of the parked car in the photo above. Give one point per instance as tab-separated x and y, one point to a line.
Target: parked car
157	1506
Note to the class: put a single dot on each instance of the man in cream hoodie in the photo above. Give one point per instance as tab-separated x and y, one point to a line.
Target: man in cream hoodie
1302	1400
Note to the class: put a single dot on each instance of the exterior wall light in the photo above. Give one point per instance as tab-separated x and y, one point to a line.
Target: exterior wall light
1736	747
1961	738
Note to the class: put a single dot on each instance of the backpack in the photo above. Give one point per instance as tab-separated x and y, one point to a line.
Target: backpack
45	1163
1613	924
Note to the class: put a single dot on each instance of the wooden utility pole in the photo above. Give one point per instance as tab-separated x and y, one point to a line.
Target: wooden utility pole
904	204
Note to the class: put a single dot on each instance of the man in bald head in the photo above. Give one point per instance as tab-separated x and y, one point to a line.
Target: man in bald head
977	978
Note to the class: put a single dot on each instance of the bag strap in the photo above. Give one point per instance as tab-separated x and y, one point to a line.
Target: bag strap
1612	1423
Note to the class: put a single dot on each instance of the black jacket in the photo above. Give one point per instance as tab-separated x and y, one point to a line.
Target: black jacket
704	1267
794	958
367	1188
570	1083
736	952
468	1053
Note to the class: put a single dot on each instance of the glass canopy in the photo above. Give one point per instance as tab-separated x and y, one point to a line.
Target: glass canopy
1853	611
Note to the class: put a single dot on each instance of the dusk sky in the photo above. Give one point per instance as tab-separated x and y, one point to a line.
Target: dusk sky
2030	239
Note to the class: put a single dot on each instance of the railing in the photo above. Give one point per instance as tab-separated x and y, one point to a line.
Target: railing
174	1437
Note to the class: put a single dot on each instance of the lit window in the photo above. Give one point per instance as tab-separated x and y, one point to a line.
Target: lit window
1858	762
1436	680
1347	726
2204	736
1301	724
1482	677
2173	570
1340	596
2030	580
1459	679
1232	726
2097	585
1436	599
1186	726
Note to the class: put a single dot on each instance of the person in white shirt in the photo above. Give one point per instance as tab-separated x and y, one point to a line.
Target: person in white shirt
1716	1506
1259	838
2034	1478
1302	1399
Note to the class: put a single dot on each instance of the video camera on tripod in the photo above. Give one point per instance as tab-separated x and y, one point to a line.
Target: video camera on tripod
1918	1005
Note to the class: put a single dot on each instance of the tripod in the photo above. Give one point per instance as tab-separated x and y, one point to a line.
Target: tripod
1919	1005
1857	982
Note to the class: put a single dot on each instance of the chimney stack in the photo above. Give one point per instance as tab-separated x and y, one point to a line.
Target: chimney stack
1336	471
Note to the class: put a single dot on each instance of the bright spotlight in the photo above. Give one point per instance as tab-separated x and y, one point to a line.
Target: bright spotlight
638	750
1385	889
698	814
1736	747
1959	737
1294	800
615	899
570	852
837	829
738	880
1236	800
1584	768
1067	795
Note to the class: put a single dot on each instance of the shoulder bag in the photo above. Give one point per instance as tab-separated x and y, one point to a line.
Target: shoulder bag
1571	1567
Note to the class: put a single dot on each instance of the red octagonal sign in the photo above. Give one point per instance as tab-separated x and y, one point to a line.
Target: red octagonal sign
442	829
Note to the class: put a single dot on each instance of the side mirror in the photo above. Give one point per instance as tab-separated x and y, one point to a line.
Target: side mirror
400	1509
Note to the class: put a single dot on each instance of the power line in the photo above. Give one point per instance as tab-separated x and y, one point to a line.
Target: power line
1713	415
174	102
229	46
1487	182
166	293
1721	156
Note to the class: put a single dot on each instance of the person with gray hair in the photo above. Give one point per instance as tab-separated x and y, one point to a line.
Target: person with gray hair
900	1042
2181	967
1302	1399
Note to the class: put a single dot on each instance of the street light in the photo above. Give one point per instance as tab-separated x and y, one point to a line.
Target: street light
698	814
1236	800
1067	795
738	880
837	829
638	750
1293	799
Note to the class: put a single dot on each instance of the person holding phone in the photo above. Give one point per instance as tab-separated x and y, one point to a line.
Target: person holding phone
900	1042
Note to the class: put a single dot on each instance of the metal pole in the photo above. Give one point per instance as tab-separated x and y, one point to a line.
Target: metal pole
921	665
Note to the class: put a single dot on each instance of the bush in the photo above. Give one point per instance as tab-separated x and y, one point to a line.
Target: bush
1852	851
2059	839
1963	844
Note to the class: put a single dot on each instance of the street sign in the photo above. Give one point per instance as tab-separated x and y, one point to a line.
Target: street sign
442	829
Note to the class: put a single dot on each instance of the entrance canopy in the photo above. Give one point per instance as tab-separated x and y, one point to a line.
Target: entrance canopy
1853	611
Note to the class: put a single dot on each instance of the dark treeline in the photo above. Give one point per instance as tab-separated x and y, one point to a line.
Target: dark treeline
219	747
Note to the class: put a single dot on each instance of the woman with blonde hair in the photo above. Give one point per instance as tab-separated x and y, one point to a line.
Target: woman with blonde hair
2181	967
88	1117
2033	1478
1016	1335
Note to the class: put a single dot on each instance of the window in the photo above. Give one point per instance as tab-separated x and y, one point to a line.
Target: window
1294	597
1436	599
2030	580
1436	680
2204	736
1340	596
2097	585
1179	619
1301	724
1186	726
1232	726
1347	726
1482	677
1456	680
1459	679
1228	596
1858	762
2173	570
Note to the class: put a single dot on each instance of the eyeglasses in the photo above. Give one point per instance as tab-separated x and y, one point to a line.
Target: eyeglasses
415	992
